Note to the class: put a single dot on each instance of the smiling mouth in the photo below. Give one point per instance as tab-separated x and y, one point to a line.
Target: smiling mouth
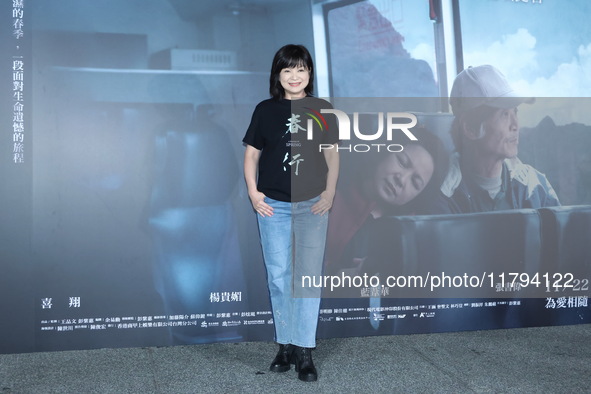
294	84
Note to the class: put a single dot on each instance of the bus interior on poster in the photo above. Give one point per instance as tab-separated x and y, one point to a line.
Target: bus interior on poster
132	136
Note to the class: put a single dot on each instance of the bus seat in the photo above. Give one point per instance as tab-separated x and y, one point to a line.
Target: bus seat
476	244
566	242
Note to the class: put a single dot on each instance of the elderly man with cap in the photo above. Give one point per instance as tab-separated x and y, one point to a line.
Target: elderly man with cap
485	173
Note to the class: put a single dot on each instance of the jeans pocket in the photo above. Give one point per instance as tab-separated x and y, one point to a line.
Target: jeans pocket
270	201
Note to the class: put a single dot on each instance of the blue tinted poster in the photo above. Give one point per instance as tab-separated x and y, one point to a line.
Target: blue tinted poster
125	219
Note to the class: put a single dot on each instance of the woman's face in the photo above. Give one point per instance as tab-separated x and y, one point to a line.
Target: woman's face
294	80
400	177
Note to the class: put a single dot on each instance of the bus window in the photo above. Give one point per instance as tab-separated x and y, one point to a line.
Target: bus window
379	48
542	46
544	49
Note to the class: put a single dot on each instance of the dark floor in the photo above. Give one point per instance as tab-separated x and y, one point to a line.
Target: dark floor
524	360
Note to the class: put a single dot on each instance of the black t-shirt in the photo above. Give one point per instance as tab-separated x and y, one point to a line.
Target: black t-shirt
292	166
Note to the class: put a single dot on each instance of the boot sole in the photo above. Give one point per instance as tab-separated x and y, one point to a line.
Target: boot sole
307	378
279	368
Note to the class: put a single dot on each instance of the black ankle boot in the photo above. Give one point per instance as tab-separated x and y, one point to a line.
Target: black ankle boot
282	361
304	364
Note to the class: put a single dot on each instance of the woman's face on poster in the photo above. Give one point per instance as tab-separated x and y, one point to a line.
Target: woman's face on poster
400	177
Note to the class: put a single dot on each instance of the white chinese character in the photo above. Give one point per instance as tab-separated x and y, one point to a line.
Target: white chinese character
293	125
18	65
225	296
18	147
236	296
46	303
18	86
561	302
294	160
550	304
214	297
74	302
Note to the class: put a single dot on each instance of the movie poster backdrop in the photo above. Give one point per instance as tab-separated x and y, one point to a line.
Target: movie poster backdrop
125	218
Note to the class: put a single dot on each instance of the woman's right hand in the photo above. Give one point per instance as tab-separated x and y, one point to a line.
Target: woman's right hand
258	203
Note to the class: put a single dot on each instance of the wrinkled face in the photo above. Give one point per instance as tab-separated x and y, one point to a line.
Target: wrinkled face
402	176
501	134
294	80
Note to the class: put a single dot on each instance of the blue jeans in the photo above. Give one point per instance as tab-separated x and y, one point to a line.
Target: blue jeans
293	241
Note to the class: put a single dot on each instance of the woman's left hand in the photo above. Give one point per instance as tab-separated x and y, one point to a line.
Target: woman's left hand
324	204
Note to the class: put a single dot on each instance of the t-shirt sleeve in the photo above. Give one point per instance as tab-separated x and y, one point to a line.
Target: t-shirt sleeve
253	136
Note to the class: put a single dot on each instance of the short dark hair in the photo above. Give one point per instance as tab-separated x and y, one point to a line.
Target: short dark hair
287	57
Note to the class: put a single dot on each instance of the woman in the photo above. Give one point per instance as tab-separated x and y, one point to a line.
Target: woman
383	184
292	196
